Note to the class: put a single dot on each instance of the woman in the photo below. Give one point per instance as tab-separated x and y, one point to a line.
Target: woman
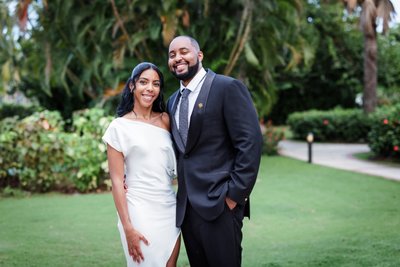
139	146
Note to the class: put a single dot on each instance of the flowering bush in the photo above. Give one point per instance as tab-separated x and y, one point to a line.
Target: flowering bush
342	125
87	152
384	137
31	152
271	138
90	122
37	155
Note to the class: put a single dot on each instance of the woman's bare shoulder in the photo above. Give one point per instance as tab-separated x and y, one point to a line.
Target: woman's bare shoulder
165	120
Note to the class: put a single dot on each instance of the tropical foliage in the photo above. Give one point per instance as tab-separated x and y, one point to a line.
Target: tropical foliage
291	53
371	11
10	55
389	66
79	53
334	76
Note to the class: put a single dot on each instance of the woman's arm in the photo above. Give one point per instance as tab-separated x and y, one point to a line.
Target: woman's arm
133	237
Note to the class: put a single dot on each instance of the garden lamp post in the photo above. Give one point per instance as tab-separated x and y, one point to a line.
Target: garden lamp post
310	140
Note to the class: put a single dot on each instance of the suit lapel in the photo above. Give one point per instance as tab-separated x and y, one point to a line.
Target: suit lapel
196	120
174	127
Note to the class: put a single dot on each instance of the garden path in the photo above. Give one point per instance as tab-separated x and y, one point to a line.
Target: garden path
339	156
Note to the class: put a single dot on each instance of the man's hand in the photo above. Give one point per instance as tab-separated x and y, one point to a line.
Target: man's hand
231	203
125	186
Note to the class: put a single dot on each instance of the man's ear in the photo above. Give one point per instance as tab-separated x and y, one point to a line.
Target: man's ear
200	56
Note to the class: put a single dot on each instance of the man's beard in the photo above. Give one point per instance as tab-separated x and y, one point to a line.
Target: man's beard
192	70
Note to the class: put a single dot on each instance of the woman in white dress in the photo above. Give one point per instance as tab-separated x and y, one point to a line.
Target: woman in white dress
139	148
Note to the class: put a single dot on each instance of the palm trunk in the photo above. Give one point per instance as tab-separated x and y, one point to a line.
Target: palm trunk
370	72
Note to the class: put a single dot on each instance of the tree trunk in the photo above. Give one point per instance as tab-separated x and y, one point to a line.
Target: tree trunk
370	72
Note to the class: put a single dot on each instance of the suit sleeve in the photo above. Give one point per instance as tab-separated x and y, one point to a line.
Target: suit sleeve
244	131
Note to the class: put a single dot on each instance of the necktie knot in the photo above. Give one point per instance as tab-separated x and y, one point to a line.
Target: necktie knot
185	93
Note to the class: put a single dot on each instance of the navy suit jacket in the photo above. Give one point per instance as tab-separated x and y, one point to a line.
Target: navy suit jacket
223	149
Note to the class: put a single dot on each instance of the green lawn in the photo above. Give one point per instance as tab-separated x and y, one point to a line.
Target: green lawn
369	156
302	215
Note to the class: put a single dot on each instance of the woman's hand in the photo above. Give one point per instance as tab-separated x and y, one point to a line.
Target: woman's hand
133	239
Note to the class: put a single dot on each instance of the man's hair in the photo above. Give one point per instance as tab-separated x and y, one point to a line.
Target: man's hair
192	41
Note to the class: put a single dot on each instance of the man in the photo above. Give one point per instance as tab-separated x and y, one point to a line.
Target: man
218	142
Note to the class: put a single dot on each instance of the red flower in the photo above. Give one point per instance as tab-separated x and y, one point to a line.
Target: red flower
385	121
326	122
396	148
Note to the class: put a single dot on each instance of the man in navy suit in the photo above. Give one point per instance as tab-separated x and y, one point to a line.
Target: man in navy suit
218	156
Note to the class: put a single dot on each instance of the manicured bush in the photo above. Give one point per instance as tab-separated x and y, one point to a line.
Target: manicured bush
344	125
384	137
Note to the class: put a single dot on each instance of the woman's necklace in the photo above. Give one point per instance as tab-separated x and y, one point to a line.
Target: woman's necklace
143	117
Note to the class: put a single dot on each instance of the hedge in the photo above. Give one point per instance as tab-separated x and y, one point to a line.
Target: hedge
337	125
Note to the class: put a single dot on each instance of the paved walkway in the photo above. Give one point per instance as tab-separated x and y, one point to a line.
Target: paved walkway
338	156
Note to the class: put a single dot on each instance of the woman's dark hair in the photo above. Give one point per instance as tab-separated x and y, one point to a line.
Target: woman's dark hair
127	100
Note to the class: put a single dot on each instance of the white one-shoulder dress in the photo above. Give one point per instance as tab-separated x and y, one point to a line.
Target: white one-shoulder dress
150	166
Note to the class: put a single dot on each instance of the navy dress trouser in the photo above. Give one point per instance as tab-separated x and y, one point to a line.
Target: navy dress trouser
214	243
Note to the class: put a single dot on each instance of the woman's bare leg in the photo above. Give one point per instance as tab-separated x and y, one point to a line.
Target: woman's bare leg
175	253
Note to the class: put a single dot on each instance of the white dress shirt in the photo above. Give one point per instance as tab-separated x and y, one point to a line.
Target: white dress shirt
194	86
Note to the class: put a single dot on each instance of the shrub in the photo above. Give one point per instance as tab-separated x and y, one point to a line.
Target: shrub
384	137
344	125
32	152
10	164
91	122
87	163
87	153
37	155
271	138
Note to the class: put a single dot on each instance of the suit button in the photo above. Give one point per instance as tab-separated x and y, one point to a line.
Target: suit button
186	156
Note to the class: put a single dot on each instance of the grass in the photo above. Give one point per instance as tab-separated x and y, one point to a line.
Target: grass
370	156
308	215
302	215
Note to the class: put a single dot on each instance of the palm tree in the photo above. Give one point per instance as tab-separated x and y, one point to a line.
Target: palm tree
80	52
9	57
371	10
